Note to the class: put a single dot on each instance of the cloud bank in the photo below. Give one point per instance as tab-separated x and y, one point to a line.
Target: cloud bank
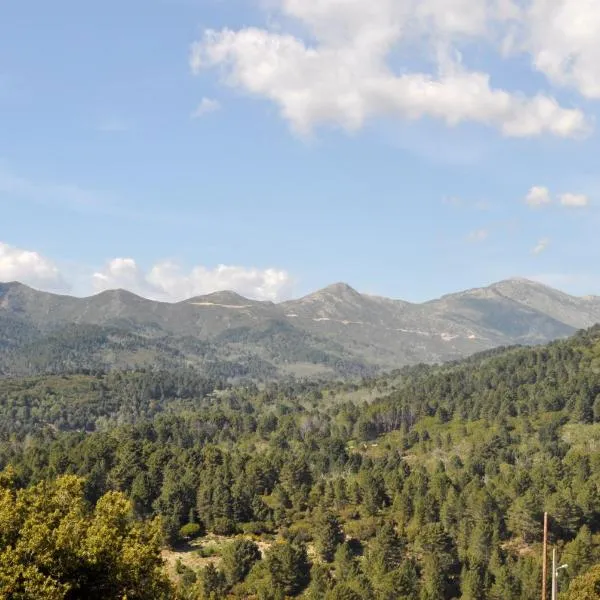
30	268
168	281
336	62
165	281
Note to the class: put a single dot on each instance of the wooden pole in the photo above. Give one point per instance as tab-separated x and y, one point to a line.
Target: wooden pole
545	559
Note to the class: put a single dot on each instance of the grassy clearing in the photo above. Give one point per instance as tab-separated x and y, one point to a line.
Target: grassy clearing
582	437
200	552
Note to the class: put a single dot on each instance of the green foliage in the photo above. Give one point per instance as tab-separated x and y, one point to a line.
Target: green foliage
212	584
190	531
585	587
320	582
385	551
342	592
288	568
238	559
54	546
445	500
328	535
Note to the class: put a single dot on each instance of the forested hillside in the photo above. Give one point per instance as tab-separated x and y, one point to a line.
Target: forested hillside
427	484
335	331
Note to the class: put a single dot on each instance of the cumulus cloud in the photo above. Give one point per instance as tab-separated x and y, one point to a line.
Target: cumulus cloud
169	282
574	200
480	235
538	196
562	38
345	76
206	106
541	246
29	267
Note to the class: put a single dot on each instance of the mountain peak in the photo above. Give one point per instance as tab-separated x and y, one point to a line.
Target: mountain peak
15	286
522	287
120	295
21	291
522	281
8	286
225	297
340	289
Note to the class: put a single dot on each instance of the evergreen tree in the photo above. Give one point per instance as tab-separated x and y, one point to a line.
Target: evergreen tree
212	583
238	558
320	582
288	567
385	551
328	535
345	564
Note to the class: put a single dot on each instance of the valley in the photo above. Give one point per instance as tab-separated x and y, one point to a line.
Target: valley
428	482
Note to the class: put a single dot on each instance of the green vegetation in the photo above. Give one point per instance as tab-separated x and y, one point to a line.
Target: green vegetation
334	332
54	545
434	490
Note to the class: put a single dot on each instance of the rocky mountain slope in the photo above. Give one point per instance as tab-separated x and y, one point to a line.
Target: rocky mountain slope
335	329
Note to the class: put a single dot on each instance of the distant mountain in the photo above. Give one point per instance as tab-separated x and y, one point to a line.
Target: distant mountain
334	330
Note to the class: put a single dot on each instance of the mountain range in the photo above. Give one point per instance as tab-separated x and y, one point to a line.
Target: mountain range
334	330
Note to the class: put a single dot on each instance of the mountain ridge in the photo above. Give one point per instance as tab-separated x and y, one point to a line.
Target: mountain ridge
331	288
334	329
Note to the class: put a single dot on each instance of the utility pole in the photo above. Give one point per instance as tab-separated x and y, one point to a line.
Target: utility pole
554	573
545	559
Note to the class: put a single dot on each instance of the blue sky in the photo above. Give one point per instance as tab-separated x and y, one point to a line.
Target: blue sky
298	144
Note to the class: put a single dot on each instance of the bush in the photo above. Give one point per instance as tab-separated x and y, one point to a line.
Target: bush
224	526
255	528
208	551
191	531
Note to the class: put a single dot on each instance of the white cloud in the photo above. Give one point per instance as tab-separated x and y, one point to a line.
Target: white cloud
169	282
345	76
206	106
480	235
541	246
29	267
570	200
538	196
562	38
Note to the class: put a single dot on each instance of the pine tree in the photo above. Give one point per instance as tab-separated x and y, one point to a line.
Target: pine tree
385	551
320	582
581	553
472	584
238	558
345	563
328	535
288	567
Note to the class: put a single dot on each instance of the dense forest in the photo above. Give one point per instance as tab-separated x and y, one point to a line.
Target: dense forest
426	484
239	353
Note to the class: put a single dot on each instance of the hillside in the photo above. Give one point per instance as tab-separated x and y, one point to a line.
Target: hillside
335	331
434	488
